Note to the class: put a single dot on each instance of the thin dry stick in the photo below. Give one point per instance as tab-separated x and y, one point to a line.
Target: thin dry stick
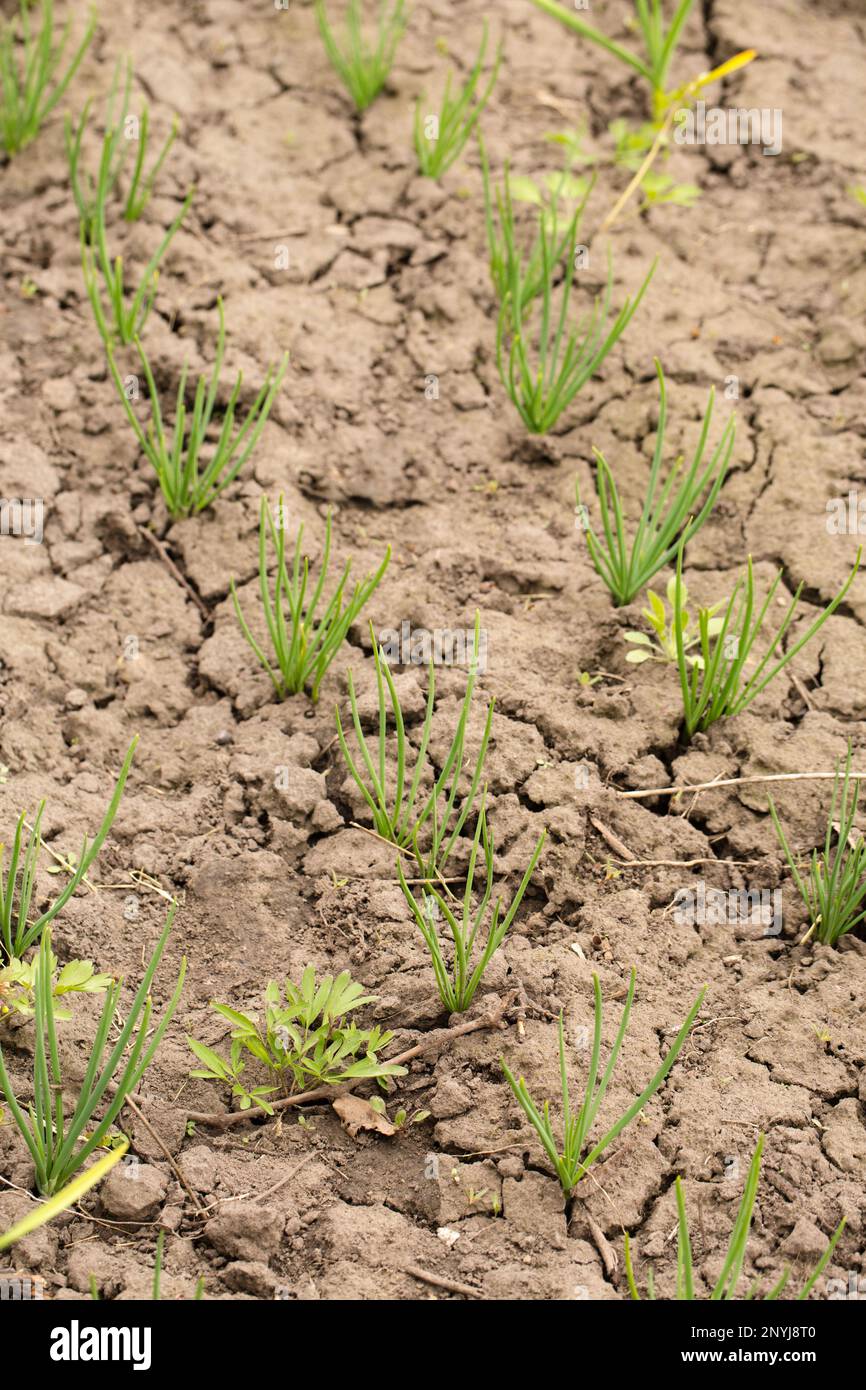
112	1226
270	236
681	863
168	1157
278	1186
269	1191
63	861
639	176
734	782
173	570
612	841
436	1280
141	879
802	691
436	1041
604	1247
402	849
457	879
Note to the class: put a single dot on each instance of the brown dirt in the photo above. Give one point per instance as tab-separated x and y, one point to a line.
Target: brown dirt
764	278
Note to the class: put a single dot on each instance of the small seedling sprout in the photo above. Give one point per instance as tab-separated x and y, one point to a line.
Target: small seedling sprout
457	118
361	65
31	82
307	1038
187	483
673	510
834	889
725	1286
572	1157
398	821
718	687
665	647
303	646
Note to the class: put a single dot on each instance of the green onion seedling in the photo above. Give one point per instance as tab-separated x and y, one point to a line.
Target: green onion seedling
659	43
156	1288
60	1143
458	982
834	890
396	819
66	1198
572	1157
440	139
726	1284
188	483
673	509
719	687
560	202
31	81
120	324
302	644
17	883
90	193
361	65
543	369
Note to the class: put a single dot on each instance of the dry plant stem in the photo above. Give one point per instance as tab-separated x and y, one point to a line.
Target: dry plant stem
173	570
285	1180
401	849
437	1282
638	179
679	790
604	1248
436	1041
611	840
681	863
178	1172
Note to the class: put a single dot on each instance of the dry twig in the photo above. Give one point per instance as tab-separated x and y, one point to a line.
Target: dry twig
679	790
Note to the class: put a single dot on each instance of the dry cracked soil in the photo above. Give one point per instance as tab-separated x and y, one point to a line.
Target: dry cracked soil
104	634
